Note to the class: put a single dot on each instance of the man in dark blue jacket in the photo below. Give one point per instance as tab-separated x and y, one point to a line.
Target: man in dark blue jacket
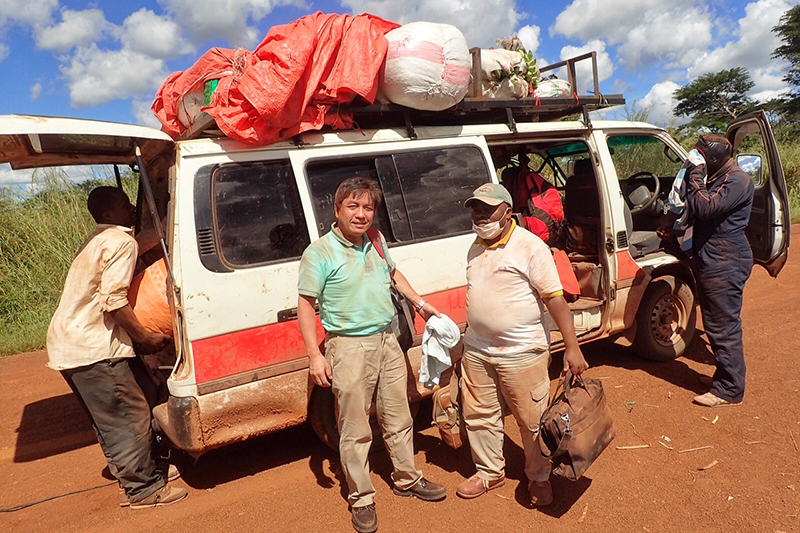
722	261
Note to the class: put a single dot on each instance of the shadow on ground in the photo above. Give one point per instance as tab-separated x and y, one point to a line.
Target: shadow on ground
52	426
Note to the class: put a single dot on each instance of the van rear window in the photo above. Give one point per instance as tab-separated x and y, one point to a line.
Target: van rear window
423	190
257	213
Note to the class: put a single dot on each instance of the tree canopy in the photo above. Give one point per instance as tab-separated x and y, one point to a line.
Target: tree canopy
788	29
714	99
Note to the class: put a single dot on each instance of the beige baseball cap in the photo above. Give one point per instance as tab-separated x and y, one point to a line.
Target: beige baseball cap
491	194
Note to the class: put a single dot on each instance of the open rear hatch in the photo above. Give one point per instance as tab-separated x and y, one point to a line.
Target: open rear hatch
33	142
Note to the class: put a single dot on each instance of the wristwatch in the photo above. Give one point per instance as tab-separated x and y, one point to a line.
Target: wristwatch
420	305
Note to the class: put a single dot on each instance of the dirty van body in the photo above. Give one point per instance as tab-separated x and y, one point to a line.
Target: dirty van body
237	218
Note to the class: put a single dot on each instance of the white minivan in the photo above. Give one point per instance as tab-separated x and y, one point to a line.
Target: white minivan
237	218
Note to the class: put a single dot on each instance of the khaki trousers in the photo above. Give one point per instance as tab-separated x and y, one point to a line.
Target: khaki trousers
491	382
363	368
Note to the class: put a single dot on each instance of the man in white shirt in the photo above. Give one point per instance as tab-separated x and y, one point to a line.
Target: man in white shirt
511	278
90	341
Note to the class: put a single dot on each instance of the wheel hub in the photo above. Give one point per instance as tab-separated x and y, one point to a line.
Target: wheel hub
667	320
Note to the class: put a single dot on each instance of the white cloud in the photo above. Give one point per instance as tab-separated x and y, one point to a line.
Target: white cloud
77	28
4	51
529	35
98	76
583	69
227	19
659	103
645	30
144	115
751	49
480	22
153	35
33	12
36	91
10	177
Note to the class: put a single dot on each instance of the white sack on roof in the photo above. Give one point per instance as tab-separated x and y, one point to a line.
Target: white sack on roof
427	67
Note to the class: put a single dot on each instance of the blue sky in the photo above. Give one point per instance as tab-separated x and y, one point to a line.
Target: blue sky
105	59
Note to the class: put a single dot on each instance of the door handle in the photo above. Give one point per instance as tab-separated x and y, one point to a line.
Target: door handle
285	315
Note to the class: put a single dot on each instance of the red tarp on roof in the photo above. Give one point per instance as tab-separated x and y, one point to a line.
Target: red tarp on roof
290	84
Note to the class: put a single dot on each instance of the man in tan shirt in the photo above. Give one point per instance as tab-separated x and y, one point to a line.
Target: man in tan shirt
90	341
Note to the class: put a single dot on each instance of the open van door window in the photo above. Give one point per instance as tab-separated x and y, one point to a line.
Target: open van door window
769	227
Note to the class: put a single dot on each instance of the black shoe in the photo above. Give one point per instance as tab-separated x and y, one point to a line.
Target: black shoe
424	490
365	519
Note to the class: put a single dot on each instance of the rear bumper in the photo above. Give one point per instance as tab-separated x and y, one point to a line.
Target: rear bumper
201	423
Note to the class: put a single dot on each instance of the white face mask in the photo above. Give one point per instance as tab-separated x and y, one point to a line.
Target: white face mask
490	230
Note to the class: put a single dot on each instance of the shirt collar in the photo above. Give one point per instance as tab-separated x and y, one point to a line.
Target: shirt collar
502	241
339	237
101	227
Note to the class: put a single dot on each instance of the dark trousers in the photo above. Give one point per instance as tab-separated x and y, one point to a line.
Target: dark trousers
120	414
721	287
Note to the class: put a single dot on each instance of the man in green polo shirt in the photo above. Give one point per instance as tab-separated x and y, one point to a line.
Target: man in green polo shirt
351	280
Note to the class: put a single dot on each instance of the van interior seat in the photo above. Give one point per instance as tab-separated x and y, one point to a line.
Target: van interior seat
640	243
582	205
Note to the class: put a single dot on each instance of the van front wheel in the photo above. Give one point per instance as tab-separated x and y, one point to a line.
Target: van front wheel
665	321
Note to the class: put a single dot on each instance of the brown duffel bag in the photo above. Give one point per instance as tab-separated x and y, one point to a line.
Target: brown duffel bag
576	427
447	410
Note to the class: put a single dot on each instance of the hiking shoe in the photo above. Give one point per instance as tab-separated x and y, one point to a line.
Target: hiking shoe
476	486
424	490
123	498
541	493
172	473
710	400
163	496
365	519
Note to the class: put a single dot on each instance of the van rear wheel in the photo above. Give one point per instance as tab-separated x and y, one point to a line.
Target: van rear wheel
665	320
322	417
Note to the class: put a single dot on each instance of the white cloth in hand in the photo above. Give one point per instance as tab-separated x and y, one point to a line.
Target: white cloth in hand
440	335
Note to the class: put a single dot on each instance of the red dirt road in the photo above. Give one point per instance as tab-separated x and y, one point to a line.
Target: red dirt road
290	482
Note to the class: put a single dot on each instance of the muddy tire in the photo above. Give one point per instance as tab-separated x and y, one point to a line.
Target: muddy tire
322	417
665	321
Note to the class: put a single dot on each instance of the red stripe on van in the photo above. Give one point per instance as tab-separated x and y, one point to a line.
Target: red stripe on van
251	349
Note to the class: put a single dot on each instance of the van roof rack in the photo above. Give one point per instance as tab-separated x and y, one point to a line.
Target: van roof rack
473	109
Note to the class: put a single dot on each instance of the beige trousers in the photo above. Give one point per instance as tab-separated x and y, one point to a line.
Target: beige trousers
491	382
364	367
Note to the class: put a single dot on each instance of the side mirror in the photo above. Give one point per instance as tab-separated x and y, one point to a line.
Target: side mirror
753	165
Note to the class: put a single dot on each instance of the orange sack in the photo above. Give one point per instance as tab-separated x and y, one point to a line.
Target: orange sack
147	297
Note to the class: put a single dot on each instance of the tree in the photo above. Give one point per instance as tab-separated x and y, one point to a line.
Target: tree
714	99
788	30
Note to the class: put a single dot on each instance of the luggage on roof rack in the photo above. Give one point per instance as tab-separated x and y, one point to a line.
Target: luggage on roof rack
473	109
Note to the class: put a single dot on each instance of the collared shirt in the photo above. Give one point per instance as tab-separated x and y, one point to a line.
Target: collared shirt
81	332
505	286
351	283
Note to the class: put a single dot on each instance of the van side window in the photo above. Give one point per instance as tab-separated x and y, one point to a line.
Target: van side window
257	213
423	190
435	184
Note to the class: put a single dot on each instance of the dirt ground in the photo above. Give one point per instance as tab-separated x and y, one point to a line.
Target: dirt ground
291	482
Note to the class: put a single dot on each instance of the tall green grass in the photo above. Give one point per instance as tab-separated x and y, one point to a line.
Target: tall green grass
39	235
